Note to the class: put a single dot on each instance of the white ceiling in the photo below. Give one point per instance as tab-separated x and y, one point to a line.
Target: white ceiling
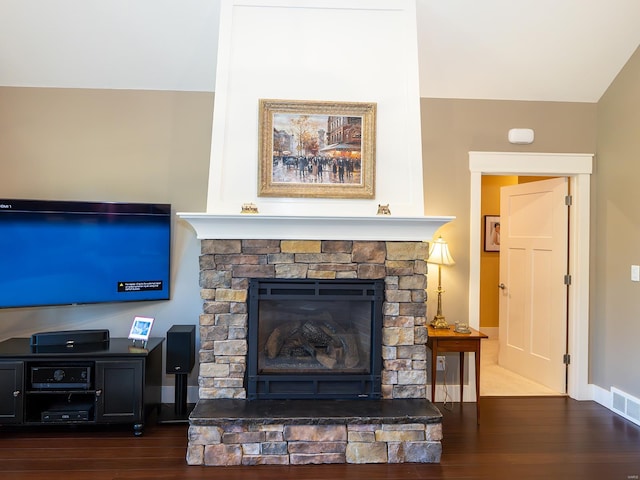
556	50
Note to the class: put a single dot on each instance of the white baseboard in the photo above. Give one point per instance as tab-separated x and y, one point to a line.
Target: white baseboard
600	395
452	393
627	408
169	395
596	393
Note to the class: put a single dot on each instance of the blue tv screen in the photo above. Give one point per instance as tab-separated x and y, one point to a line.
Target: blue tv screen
62	253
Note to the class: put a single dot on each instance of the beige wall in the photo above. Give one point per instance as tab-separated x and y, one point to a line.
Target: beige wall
117	145
109	145
154	146
453	128
615	307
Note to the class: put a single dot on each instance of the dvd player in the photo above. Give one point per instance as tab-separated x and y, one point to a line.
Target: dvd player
64	413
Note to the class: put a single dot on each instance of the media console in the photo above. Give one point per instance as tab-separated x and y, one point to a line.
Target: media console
112	382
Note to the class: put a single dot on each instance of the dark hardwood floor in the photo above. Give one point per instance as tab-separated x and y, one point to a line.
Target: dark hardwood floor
519	438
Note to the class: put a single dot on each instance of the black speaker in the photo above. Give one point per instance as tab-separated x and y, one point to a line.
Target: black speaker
181	348
69	337
181	356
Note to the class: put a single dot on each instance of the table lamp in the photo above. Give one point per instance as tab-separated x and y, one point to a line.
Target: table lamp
439	255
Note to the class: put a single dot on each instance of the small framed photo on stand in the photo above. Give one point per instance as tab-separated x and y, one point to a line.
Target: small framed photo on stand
140	329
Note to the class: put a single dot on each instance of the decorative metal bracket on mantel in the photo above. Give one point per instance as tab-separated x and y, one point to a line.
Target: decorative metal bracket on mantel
273	227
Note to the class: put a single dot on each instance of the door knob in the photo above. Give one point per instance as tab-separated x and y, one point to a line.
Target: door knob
502	286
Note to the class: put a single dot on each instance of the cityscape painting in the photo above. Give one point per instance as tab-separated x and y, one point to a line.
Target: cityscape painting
317	149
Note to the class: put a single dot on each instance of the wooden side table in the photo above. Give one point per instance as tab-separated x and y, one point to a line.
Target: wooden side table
442	340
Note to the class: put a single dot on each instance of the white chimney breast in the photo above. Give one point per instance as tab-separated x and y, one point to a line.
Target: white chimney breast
317	50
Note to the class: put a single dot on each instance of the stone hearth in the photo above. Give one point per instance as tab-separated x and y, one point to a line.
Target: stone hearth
298	432
226	267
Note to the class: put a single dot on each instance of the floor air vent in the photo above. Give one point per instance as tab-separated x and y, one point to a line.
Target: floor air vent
625	405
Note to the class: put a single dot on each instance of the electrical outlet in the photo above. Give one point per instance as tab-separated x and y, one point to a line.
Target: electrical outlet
440	362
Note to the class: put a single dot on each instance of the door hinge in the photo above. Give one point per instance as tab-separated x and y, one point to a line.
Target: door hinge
568	200
567	279
566	359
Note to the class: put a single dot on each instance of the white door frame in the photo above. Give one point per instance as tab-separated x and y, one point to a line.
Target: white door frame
578	167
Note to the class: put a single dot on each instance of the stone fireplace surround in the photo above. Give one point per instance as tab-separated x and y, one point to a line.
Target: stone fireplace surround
217	438
346	238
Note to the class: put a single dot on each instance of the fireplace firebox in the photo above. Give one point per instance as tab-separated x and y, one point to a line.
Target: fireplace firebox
314	339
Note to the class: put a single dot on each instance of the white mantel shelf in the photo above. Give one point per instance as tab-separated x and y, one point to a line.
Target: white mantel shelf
270	227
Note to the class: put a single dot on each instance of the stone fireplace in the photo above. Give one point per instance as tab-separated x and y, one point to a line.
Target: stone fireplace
228	265
307	237
410	434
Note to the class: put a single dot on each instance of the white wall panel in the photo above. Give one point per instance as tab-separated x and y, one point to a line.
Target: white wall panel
317	50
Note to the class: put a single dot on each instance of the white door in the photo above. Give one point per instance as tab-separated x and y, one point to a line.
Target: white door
533	296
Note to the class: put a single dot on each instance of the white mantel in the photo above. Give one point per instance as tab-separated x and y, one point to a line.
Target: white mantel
272	227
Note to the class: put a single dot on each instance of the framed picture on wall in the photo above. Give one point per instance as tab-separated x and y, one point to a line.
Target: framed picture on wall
316	149
492	233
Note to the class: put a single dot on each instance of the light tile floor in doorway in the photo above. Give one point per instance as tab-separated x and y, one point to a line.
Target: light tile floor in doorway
498	381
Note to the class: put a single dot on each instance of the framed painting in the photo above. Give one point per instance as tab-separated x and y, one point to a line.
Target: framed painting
492	233
316	149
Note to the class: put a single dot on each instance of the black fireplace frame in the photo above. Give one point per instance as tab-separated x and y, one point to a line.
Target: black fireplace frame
329	385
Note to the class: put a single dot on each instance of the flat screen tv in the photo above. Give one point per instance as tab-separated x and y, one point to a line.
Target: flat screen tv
64	253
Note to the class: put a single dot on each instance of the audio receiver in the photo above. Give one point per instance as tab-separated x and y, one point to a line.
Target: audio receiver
55	377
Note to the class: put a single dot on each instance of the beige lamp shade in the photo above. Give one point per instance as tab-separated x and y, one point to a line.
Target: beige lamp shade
439	253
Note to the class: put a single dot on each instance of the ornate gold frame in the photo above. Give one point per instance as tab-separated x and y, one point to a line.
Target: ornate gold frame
270	187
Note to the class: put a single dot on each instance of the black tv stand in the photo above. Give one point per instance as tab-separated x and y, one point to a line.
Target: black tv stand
86	384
